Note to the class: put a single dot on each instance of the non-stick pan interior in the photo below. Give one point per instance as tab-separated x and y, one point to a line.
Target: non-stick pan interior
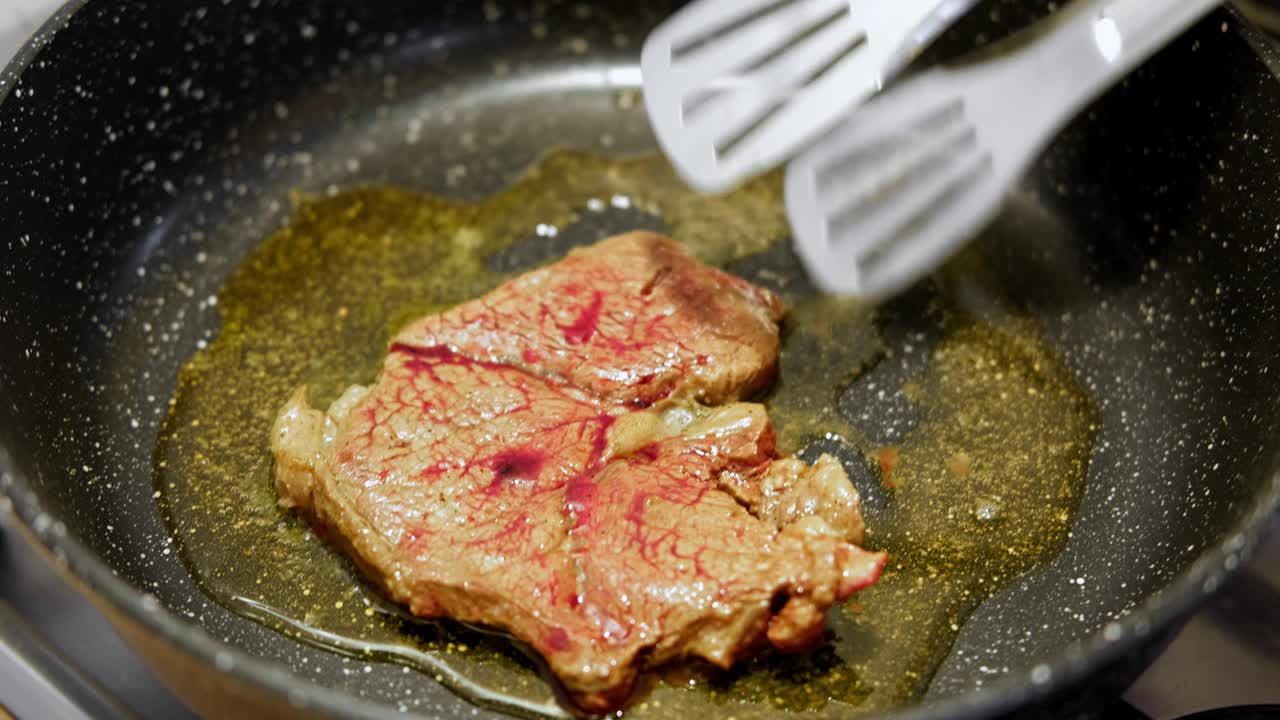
149	145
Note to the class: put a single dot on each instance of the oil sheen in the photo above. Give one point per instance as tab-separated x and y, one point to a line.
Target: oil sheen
965	433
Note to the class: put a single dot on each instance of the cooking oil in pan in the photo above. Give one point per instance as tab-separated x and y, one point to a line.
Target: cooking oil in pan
968	439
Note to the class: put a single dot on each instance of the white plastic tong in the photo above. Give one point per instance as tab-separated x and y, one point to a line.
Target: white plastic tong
915	173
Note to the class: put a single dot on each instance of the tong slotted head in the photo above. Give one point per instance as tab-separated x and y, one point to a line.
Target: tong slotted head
909	177
736	87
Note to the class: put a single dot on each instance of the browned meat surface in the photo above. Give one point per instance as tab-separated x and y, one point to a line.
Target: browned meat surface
557	459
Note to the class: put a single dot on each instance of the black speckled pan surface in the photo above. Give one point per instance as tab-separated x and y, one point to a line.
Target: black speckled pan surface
145	145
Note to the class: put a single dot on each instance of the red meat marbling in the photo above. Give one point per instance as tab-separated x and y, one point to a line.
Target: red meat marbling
568	458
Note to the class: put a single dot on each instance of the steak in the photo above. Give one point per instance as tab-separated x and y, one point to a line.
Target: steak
568	458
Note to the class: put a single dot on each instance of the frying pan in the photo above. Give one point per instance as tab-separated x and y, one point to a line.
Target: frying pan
146	145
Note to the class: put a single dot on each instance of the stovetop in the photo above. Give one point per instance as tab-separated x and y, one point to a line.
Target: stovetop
59	658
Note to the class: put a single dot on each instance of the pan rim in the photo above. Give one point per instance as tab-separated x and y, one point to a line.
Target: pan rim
1162	610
